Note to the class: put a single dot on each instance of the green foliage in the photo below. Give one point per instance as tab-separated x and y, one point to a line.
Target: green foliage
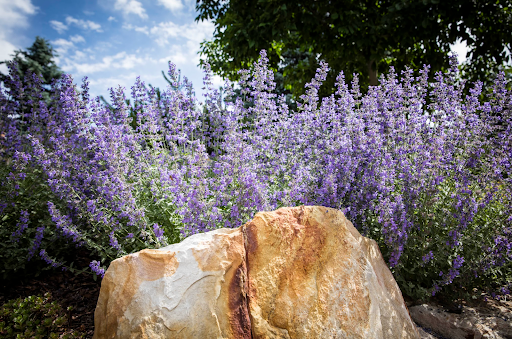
158	209
35	317
31	196
364	38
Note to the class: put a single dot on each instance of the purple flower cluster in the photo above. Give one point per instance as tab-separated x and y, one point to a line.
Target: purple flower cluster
49	260
64	223
96	268
417	165
158	232
37	242
427	257
20	226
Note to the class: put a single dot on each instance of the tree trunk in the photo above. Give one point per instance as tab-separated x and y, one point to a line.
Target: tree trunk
372	73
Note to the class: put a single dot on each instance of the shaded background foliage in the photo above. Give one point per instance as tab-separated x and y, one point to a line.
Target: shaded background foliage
355	36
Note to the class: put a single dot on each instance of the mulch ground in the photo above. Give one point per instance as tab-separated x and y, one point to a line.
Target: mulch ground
67	289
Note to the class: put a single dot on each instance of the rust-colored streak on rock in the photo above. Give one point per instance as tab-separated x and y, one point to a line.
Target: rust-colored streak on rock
121	283
239	319
250	240
229	255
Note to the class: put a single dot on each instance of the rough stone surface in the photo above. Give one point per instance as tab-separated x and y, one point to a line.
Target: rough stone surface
494	321
302	272
186	290
312	275
424	334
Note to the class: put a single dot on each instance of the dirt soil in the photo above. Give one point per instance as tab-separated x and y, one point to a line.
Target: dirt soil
67	289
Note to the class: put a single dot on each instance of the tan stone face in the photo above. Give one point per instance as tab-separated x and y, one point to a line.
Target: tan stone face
123	279
186	290
312	275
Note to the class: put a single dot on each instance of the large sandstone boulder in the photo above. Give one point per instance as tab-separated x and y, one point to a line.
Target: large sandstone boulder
302	272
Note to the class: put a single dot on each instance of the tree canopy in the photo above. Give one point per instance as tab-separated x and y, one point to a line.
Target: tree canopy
357	36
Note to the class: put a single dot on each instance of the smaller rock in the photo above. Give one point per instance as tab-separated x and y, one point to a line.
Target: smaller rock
424	334
468	324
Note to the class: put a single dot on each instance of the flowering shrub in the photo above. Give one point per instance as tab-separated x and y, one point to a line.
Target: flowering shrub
415	165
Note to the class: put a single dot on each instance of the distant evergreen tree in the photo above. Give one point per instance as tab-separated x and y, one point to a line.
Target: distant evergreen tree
37	59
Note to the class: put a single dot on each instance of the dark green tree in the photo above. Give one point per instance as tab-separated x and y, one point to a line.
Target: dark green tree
37	59
364	37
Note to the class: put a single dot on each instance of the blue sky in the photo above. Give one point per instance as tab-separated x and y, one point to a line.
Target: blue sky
113	41
110	41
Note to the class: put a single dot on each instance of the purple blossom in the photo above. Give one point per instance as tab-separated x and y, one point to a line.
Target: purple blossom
37	242
44	255
63	223
457	262
158	232
21	226
96	268
113	241
427	257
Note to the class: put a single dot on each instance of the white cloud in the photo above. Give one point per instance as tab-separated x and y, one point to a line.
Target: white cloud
144	29
131	7
58	26
77	38
121	60
79	55
84	24
13	14
113	82
172	5
111	18
195	32
62	46
6	50
183	54
63	43
90	53
217	81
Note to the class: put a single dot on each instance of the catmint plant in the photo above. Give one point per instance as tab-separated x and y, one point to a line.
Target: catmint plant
415	164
